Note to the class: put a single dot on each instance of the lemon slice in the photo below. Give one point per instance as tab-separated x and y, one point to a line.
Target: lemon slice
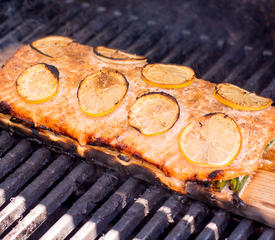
52	46
154	113
117	56
38	83
214	140
102	92
239	98
167	75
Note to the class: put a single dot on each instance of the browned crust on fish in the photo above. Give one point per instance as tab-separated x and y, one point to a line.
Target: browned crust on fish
127	165
194	101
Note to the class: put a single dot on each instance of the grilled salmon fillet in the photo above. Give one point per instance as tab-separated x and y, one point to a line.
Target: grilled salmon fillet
61	114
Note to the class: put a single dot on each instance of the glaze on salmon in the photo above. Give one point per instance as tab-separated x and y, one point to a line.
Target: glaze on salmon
62	114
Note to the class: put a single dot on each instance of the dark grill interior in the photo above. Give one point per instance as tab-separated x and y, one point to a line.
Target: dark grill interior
44	194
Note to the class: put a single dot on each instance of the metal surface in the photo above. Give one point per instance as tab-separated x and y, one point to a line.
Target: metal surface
50	196
54	197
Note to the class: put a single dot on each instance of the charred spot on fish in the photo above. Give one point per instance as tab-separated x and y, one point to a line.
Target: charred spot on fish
206	184
237	201
96	141
215	174
35	131
123	157
200	124
42	127
120	147
18	120
100	142
15	120
165	171
225	116
138	156
194	179
27	123
5	108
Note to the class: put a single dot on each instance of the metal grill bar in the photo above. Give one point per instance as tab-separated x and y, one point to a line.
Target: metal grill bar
111	30
202	54
94	26
89	201
49	25
128	36
268	234
148	38
22	174
78	21
104	215
243	230
186	45
233	54
14	157
159	50
8	11
172	36
32	192
258	75
50	203
6	142
162	218
135	214
25	26
190	223
18	18
216	227
239	72
269	91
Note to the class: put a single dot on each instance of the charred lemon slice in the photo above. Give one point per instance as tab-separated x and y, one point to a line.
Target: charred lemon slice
239	98
214	140
154	113
167	75
38	83
102	92
117	56
52	46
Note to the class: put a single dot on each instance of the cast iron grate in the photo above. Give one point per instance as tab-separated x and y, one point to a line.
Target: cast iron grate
44	195
51	196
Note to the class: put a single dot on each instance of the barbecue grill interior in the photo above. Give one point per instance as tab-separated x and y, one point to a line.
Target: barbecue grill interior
51	195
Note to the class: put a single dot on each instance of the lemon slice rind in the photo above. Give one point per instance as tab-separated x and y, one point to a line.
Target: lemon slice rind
215	148
51	46
117	56
38	83
154	113
167	75
224	91
104	90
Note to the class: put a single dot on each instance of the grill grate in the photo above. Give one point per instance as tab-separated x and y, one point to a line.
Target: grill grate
50	196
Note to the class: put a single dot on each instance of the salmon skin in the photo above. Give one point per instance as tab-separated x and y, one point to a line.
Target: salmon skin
61	118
